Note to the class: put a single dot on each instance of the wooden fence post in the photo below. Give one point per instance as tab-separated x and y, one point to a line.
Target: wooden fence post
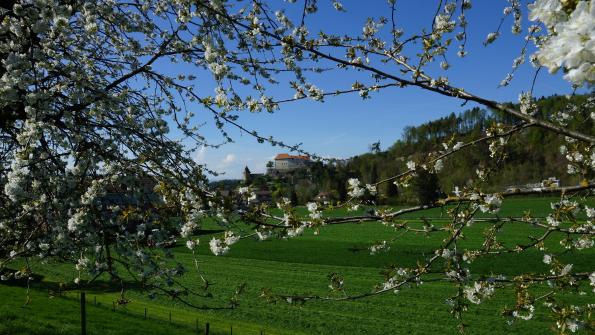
207	329
145	313
83	315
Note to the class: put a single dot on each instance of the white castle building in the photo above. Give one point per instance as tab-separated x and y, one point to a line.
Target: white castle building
286	162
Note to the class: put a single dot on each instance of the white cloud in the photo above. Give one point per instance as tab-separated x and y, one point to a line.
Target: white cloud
227	160
232	160
200	155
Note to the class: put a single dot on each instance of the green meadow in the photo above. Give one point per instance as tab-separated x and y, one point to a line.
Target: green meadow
301	266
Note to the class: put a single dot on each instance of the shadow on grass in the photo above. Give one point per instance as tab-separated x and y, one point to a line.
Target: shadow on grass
209	231
37	281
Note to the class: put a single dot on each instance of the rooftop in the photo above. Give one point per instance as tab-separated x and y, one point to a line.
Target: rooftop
288	156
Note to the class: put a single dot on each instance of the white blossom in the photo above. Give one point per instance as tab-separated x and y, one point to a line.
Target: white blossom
456	191
491	203
355	190
552	221
527	106
442	23
16	180
191	244
572	44
549	12
446	253
230	238
82	263
491	38
478	292
315	93
573	325
383	246
76	221
563	149
438	165
457	146
263	235
524	312
218	247
584	242
547	259
295	232
188	228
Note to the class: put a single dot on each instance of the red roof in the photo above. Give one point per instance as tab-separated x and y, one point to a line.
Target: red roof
288	156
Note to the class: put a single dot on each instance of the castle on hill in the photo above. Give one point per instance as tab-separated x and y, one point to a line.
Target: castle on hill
286	162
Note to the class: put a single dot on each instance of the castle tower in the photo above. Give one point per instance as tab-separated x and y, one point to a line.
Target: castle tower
247	176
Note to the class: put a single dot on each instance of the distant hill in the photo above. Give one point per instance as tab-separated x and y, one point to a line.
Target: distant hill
533	155
225	184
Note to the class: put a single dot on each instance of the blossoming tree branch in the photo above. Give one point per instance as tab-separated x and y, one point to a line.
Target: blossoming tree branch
91	89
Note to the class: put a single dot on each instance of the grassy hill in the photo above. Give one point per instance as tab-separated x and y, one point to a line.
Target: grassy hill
299	266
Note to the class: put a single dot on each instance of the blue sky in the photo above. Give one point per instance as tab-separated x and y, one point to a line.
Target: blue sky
345	126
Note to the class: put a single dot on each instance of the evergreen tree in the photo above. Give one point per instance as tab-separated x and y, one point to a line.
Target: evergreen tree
427	187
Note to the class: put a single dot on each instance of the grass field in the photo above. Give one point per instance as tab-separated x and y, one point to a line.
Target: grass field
301	266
